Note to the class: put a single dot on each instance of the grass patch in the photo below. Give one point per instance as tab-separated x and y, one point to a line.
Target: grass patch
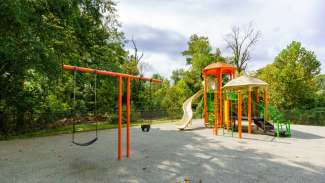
79	128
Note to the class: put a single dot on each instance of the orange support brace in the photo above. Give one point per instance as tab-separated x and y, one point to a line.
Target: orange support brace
128	117
119	124
239	113
109	73
249	110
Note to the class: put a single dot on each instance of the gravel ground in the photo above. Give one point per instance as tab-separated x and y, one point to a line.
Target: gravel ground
168	155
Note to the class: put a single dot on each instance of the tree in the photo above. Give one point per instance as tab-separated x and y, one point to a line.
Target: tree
135	65
292	77
39	36
199	55
241	42
174	98
320	81
177	75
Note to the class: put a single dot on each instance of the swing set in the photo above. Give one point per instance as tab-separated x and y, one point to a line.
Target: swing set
120	77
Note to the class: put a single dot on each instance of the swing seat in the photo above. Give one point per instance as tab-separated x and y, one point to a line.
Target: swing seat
86	143
145	127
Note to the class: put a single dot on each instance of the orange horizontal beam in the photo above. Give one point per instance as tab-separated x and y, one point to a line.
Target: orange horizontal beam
109	73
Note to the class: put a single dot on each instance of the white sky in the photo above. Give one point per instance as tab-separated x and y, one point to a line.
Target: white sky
162	28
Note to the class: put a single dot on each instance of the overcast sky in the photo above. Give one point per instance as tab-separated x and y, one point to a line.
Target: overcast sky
162	28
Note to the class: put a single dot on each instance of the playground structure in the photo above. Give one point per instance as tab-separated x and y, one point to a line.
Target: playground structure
213	109
120	77
238	87
224	96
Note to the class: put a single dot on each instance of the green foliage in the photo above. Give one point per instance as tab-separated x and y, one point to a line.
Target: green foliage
320	81
292	77
160	93
177	75
38	37
175	97
198	55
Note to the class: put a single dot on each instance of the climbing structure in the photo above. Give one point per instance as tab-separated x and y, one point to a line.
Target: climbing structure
245	85
229	101
214	76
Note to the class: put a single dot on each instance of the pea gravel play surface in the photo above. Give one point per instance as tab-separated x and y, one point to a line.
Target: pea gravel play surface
168	155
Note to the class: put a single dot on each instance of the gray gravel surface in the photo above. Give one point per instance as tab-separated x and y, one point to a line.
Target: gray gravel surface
168	155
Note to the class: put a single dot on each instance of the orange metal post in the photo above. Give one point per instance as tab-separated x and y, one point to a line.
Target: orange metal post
120	100
128	117
119	124
215	101
205	102
239	114
249	113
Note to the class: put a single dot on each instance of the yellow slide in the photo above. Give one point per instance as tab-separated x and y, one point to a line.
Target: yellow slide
187	112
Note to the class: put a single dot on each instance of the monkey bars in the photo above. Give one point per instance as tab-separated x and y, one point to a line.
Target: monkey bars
120	100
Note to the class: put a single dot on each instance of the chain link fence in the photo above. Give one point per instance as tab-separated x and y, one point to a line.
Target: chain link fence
306	117
20	123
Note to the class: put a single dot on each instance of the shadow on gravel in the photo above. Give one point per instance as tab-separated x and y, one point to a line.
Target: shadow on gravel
158	156
201	158
304	135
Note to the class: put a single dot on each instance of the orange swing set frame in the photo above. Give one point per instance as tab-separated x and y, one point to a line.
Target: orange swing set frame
120	76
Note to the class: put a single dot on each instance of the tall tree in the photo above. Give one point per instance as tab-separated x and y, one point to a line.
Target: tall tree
292	77
177	75
241	40
199	54
39	36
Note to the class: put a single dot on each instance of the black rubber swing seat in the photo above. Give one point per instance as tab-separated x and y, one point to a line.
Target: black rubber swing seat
86	143
74	104
145	127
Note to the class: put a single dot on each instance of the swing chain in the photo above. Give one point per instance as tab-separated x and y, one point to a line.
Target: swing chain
95	101
74	110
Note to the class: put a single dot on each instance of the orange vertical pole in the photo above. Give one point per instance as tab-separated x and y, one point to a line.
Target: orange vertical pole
128	117
220	98
205	102
249	110
256	102
215	102
239	113
265	105
119	124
